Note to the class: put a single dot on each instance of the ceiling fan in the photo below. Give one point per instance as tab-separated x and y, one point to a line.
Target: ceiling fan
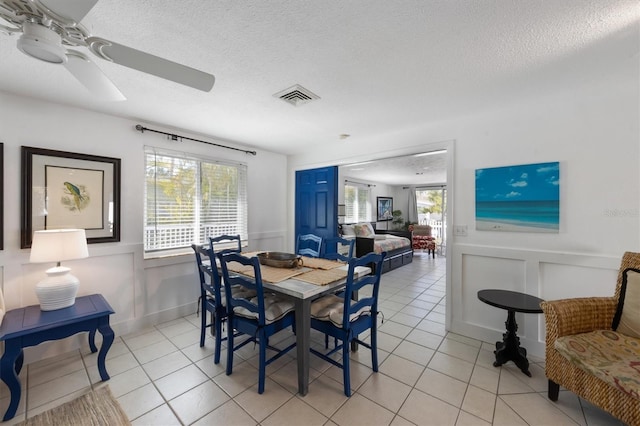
49	27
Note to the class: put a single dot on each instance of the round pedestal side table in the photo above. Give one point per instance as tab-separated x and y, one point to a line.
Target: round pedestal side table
509	348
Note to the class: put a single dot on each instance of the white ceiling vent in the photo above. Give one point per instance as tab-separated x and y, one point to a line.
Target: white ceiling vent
297	95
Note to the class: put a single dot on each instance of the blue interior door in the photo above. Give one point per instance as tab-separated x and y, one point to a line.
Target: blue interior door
317	202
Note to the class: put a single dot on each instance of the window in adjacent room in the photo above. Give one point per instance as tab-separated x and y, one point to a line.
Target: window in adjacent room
357	203
191	198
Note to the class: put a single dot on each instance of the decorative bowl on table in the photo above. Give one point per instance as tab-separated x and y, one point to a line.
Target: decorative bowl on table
280	260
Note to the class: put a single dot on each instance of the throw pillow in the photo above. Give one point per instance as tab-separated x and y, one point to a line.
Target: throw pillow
348	230
364	230
627	318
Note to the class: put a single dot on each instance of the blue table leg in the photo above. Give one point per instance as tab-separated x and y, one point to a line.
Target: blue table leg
10	366
107	340
303	336
92	341
19	362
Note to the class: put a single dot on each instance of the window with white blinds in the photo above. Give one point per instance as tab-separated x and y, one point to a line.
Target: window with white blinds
189	199
357	203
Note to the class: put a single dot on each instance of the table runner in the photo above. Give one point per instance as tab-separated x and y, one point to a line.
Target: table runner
319	263
322	276
269	273
316	271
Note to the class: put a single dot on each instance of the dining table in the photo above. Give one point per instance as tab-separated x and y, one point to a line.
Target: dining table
302	289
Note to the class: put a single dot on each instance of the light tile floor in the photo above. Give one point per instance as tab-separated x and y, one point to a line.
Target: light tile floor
427	376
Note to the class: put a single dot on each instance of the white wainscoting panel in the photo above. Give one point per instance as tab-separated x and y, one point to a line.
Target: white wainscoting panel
545	274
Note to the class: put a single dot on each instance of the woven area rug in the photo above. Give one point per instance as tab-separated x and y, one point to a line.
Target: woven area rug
97	408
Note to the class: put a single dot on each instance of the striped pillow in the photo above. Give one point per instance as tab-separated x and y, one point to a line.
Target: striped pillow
627	318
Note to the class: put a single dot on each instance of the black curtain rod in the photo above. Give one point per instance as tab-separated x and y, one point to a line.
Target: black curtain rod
423	187
175	137
360	183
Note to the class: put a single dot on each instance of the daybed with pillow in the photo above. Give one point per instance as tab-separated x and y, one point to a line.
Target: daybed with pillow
397	244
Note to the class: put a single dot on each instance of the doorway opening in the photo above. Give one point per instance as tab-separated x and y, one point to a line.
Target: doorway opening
431	204
397	177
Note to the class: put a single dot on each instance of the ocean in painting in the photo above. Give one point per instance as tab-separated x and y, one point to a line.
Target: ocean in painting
523	216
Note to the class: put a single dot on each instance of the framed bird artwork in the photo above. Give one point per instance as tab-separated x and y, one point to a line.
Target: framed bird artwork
66	190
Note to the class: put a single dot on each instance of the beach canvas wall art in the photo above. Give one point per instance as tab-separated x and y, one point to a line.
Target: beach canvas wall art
522	198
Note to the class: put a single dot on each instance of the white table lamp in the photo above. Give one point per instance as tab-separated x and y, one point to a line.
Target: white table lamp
59	289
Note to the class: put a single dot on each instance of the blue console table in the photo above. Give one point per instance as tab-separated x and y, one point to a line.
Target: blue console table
29	326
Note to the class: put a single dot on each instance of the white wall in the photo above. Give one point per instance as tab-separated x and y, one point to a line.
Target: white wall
593	131
141	292
376	189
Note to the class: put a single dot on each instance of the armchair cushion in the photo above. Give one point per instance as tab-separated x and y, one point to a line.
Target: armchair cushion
611	356
421	230
627	318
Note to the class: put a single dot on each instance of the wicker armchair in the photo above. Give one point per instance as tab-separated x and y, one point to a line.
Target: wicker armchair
582	315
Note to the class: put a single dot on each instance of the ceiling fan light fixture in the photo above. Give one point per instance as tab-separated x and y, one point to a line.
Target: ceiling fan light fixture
42	43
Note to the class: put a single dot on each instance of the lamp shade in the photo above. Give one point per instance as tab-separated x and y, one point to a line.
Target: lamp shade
59	289
56	245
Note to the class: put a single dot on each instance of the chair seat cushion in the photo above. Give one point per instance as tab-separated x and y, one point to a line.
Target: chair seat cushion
423	242
237	291
331	308
612	357
274	308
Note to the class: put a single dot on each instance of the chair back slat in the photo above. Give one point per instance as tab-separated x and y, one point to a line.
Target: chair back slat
246	282
209	278
309	245
357	284
228	242
330	248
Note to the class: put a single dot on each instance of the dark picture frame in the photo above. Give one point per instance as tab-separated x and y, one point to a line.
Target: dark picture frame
385	209
70	190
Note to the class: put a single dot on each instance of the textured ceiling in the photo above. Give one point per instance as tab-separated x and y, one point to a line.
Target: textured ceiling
379	67
405	170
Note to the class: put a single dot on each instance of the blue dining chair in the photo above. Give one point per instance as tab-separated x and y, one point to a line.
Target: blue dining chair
223	244
331	248
257	318
344	318
211	298
309	245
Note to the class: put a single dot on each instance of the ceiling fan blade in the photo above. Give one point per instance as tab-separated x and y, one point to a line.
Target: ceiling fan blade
66	10
151	64
92	77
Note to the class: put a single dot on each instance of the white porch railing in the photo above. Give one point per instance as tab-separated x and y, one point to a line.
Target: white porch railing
171	236
438	229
